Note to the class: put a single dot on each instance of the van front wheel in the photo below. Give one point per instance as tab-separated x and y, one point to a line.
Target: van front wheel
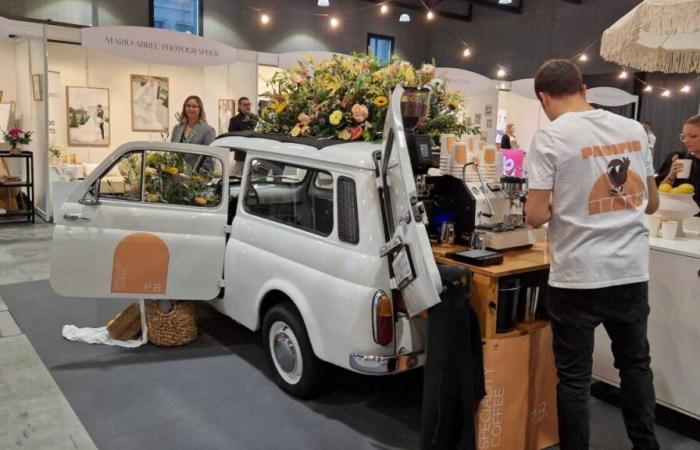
294	365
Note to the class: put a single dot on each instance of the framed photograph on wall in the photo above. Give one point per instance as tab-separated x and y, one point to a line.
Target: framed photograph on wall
88	116
36	87
149	103
227	109
488	110
489	123
468	121
477	119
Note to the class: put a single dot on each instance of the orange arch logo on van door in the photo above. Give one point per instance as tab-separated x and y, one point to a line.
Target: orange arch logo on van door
140	265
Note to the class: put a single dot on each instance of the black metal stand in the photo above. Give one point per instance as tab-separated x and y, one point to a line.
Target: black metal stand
24	197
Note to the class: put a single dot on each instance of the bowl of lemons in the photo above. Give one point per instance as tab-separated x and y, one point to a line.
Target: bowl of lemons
677	203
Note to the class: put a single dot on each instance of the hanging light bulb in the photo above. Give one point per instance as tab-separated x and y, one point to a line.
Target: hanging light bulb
685	89
430	15
583	57
649	88
666	93
623	75
501	73
404	18
334	22
384	9
467	52
323	3
264	19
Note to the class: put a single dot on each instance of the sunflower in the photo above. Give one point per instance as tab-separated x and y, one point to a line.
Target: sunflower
380	101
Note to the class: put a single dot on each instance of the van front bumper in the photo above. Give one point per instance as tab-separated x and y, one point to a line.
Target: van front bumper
385	365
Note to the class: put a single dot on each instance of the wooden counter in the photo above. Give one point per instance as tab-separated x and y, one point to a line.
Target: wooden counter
531	264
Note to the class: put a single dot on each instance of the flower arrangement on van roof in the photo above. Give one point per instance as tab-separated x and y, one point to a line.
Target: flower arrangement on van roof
347	98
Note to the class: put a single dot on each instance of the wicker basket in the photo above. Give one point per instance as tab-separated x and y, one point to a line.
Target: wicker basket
175	327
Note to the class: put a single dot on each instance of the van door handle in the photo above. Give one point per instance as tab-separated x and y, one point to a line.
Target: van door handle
74	217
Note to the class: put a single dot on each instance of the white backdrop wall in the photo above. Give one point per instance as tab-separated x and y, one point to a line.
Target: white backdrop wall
476	104
525	113
78	66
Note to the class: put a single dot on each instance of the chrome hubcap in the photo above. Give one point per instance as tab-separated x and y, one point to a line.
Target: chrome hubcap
286	354
285	351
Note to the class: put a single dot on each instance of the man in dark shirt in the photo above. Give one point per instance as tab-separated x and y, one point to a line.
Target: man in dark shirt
243	120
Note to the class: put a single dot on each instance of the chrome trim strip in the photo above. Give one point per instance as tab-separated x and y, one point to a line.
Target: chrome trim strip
385	365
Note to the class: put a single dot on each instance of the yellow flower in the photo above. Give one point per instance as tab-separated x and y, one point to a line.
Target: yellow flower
380	101
331	84
296	131
344	134
171	170
376	76
335	117
280	107
153	198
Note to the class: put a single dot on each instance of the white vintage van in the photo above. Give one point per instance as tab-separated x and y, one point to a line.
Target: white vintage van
321	246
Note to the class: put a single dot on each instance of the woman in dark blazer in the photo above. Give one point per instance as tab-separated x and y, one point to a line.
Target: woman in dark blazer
668	173
193	127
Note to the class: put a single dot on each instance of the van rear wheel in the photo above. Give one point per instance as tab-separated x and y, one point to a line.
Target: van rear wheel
294	366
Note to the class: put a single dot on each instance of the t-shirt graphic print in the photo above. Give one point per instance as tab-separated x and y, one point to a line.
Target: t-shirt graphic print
619	187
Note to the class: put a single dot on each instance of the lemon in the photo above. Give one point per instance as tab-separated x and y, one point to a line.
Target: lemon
686	188
665	187
676	190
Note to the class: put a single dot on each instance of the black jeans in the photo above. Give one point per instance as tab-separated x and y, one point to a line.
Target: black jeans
623	311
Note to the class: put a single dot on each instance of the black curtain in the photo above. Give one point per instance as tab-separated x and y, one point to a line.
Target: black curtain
667	114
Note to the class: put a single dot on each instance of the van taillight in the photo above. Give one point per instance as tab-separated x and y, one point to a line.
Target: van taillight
383	318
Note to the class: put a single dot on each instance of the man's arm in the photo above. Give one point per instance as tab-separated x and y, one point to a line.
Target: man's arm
653	195
538	210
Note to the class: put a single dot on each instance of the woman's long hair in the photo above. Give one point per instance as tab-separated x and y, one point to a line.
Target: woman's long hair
202	115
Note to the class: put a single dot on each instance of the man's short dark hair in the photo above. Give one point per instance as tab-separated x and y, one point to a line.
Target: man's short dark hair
558	78
241	100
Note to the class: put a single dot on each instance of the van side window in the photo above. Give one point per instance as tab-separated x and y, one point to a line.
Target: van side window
291	195
177	178
122	181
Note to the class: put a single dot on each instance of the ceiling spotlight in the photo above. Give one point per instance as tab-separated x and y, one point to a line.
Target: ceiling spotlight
404	18
623	75
505	2
467	52
666	93
334	22
264	19
583	57
501	73
685	89
384	9
648	88
430	15
323	3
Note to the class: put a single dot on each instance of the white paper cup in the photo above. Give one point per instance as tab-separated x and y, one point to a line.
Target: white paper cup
669	228
685	172
653	223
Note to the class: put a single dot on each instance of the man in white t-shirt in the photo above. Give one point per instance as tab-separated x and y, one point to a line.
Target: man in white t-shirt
591	177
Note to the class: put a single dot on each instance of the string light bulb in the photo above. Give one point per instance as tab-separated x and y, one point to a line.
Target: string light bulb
649	88
583	57
467	52
666	93
264	19
384	9
334	22
323	3
623	75
404	18
685	89
430	15
501	73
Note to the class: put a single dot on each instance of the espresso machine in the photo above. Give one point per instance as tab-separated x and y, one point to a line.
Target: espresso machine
499	214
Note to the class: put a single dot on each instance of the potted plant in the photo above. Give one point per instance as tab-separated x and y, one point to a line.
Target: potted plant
15	137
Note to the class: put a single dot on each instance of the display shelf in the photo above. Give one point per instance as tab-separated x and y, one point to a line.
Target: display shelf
19	192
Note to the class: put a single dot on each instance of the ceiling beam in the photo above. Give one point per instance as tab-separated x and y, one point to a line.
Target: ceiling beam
420	8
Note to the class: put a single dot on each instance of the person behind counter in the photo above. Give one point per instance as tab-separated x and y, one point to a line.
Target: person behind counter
244	120
668	173
193	127
599	247
508	140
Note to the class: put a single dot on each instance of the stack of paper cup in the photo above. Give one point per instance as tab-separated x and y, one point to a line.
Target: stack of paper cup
447	142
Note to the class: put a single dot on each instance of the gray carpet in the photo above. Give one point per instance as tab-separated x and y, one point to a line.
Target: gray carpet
215	393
